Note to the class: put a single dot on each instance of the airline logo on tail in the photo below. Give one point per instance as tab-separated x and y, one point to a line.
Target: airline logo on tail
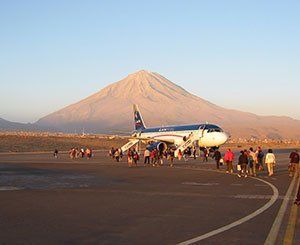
138	120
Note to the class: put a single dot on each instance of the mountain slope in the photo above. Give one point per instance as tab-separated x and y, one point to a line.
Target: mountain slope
161	102
9	126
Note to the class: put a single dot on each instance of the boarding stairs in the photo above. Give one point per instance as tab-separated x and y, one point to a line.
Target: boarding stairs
128	145
185	144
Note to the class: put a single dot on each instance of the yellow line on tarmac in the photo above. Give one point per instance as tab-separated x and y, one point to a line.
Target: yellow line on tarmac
290	229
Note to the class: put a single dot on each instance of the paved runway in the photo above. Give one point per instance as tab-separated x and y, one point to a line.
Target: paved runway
53	201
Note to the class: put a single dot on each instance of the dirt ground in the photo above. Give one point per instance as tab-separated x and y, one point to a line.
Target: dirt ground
17	143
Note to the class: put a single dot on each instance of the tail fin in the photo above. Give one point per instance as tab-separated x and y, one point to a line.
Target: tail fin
138	120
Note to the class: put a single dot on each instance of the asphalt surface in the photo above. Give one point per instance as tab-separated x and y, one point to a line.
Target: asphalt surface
98	201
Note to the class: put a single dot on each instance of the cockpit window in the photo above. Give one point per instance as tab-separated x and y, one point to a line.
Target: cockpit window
214	130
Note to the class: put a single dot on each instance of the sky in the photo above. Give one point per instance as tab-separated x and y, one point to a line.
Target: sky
241	54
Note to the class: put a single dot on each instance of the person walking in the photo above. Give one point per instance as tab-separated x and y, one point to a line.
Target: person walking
117	155
171	157
270	162
186	154
242	164
297	201
153	157
72	153
217	156
160	157
129	157
136	157
82	151
194	152
55	154
146	156
252	162
111	152
294	161
179	155
260	158
88	153
228	158
77	152
205	155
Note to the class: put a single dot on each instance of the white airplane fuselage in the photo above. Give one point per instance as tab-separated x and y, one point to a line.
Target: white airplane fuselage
207	135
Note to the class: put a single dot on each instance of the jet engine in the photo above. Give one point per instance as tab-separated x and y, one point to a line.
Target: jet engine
160	146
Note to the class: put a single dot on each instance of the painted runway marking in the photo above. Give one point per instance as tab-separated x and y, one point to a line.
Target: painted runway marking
272	237
253	196
290	229
272	200
196	183
9	188
236	184
260	197
261	185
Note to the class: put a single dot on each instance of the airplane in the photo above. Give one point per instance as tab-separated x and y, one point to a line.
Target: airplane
178	136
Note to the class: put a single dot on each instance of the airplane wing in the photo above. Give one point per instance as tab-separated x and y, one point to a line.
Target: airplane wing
148	139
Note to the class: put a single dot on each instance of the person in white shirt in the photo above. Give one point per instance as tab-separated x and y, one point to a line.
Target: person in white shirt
270	161
146	156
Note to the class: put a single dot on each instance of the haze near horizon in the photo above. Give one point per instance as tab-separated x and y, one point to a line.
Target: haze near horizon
239	55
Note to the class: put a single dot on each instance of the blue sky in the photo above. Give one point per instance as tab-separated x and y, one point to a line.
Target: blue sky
238	54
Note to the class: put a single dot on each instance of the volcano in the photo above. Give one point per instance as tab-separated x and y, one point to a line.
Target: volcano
162	103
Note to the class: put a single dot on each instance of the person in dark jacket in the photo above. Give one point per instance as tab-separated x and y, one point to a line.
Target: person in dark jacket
294	160
242	164
297	202
217	156
205	155
55	154
260	158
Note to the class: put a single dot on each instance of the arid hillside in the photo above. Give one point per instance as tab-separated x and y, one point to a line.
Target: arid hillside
162	102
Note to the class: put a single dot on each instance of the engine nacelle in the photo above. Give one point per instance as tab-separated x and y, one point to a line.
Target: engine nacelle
160	146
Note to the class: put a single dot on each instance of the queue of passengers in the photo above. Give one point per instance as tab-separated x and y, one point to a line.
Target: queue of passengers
80	153
115	153
249	162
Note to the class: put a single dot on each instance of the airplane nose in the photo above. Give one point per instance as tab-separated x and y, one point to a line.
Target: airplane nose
224	138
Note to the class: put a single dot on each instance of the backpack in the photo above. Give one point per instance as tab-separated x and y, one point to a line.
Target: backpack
260	154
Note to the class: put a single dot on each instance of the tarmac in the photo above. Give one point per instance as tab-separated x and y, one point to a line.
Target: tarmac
44	200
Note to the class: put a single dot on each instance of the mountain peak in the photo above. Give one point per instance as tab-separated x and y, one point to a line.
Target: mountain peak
144	84
141	75
141	72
